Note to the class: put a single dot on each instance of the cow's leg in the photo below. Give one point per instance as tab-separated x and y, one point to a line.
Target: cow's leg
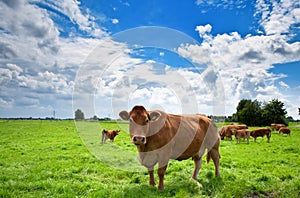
197	163
215	155
161	175
103	138
151	176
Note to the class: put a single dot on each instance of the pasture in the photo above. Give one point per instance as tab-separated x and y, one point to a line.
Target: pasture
51	159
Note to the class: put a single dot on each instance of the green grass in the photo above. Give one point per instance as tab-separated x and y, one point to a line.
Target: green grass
51	159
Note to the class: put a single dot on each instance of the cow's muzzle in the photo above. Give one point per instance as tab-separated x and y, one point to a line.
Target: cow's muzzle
137	140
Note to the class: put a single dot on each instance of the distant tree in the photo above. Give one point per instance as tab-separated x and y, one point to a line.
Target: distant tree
94	117
249	112
229	119
290	119
274	112
242	104
79	115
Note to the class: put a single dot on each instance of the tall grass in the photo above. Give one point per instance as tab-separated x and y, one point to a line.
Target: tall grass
51	159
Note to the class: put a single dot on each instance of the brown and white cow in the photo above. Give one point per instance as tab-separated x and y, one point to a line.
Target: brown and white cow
241	133
226	131
160	137
276	126
109	134
261	133
284	130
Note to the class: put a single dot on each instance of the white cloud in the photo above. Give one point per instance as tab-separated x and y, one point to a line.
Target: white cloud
14	67
277	17
32	54
77	15
6	103
172	90
283	84
27	27
115	21
243	63
37	66
156	97
26	19
224	4
203	29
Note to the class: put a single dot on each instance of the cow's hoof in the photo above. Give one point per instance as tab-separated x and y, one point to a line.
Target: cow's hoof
194	181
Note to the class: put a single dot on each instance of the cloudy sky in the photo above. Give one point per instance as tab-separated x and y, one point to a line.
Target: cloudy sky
180	56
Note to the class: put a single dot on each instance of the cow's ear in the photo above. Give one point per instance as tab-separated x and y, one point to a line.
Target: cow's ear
124	115
104	131
154	115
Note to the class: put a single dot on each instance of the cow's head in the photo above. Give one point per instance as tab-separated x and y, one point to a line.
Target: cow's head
139	123
222	132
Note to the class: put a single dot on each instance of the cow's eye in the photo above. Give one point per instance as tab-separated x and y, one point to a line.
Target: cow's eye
147	120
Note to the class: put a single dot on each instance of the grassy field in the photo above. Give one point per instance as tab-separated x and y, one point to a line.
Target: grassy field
64	159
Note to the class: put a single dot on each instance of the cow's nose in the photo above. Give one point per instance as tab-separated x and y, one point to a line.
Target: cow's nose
139	139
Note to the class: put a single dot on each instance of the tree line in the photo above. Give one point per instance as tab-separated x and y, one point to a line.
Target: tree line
79	115
255	113
249	112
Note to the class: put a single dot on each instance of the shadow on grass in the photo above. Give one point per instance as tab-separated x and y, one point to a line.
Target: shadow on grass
184	188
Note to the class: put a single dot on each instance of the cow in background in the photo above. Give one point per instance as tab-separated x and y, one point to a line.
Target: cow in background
276	126
109	134
226	131
261	133
241	133
284	130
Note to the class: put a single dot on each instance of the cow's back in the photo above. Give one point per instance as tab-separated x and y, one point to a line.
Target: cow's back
261	132
179	136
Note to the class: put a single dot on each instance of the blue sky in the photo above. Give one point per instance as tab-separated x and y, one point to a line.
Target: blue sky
179	56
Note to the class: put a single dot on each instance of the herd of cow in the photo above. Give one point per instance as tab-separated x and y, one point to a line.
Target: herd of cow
160	136
241	131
